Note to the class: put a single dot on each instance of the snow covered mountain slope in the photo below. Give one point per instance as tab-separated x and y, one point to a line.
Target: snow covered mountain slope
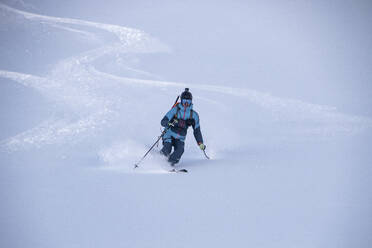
284	172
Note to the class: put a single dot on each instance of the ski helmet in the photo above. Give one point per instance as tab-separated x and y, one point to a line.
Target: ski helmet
186	94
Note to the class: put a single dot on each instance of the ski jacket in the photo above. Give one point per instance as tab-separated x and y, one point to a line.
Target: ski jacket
186	117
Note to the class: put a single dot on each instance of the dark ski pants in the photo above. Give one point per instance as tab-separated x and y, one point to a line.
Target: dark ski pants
178	150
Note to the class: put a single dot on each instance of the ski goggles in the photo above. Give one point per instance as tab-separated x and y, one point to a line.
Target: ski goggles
186	102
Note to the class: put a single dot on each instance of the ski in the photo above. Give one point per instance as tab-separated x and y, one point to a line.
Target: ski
178	171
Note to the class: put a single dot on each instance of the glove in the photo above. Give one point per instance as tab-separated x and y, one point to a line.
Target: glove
202	146
172	124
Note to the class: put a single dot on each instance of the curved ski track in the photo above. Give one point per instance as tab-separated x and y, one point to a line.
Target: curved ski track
77	85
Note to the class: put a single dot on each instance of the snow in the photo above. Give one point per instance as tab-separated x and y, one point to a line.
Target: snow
284	171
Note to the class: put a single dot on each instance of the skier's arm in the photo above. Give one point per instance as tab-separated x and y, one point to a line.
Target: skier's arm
197	132
164	122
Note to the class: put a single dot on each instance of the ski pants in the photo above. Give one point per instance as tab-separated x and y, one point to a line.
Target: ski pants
178	150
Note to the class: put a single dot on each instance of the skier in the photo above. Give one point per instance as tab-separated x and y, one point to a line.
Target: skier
179	118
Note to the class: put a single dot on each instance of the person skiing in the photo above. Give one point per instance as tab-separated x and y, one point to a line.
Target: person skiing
179	119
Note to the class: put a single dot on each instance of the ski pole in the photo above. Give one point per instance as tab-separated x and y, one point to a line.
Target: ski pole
206	154
161	136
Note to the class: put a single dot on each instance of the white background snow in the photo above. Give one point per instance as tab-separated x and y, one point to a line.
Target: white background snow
283	90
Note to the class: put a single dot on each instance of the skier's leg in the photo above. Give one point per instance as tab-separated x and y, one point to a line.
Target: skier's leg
178	151
167	147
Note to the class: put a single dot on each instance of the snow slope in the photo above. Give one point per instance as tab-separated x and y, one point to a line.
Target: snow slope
284	172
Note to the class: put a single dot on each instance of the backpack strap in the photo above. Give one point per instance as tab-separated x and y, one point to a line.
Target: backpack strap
190	121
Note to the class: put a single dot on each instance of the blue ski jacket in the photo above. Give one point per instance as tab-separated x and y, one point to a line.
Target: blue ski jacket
186	117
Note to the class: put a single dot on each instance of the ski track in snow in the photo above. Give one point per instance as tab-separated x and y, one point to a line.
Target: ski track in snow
87	93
